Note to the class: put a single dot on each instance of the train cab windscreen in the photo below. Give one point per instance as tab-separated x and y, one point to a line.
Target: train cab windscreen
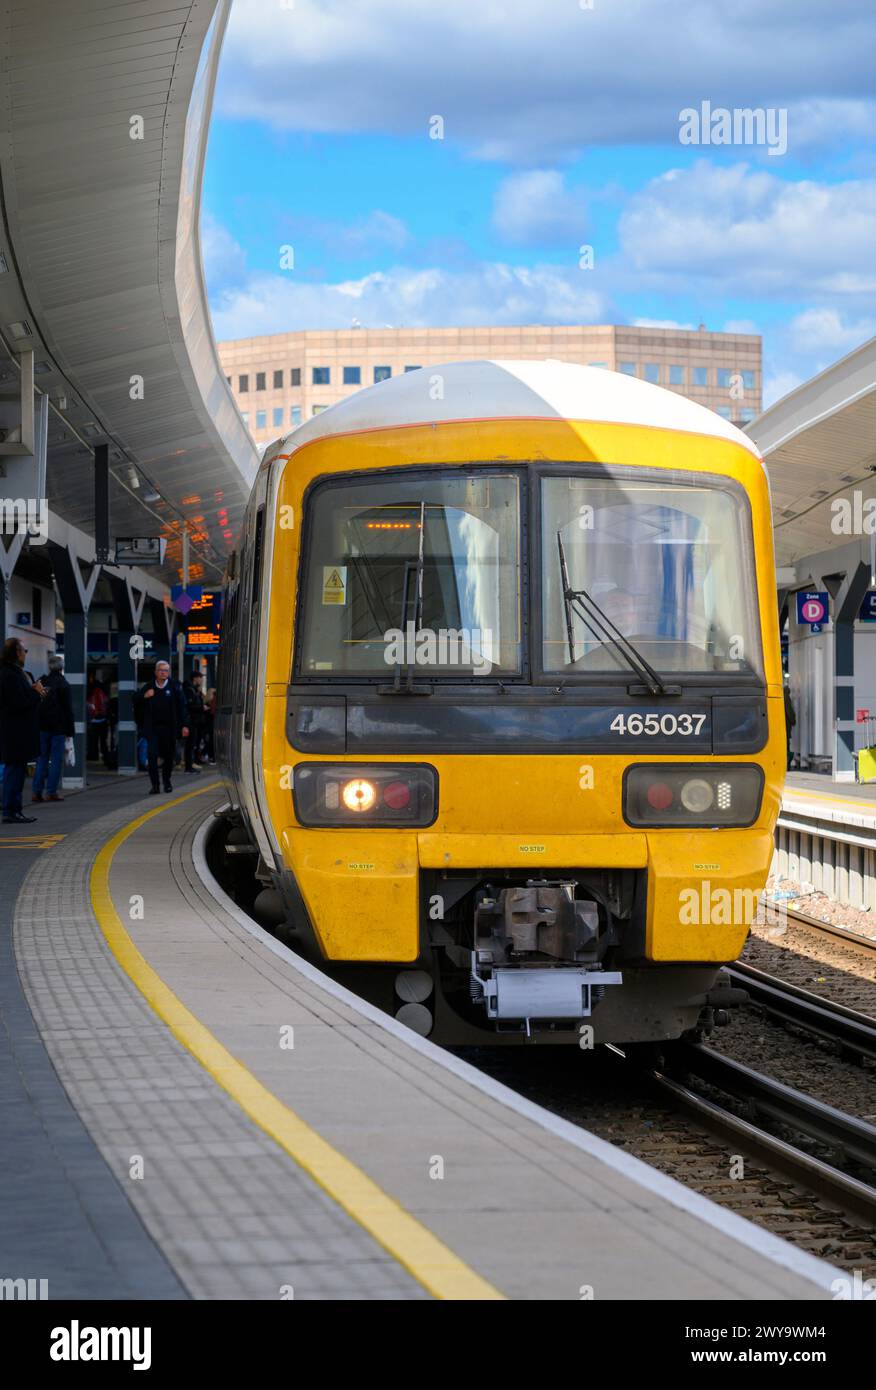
416	572
667	566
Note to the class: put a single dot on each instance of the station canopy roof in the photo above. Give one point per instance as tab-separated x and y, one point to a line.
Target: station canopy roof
819	444
100	269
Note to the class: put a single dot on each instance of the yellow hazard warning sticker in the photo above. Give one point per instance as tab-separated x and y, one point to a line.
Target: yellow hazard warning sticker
334	583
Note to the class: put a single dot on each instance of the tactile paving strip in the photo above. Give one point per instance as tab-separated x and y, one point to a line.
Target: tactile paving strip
235	1216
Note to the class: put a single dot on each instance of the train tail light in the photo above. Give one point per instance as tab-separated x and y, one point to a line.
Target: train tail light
338	794
690	794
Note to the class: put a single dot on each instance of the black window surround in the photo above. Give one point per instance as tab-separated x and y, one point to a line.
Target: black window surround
531	675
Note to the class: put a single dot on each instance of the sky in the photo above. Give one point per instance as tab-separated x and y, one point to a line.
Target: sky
444	162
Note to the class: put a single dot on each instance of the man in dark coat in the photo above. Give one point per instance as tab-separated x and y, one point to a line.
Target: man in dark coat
19	727
164	720
56	726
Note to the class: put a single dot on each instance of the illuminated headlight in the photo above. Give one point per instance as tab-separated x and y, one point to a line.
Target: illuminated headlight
357	794
691	794
335	794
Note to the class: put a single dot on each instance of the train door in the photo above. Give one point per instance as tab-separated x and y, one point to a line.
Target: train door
253	653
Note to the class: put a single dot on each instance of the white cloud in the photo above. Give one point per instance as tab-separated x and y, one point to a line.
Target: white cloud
368	235
807	344
824	331
224	258
531	82
740	326
490	292
534	208
745	231
664	323
777	384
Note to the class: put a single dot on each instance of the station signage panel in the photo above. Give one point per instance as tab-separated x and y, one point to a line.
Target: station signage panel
867	611
813	609
204	622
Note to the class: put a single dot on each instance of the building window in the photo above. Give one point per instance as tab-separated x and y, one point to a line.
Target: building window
676	375
244	415
652	373
382	373
295	415
278	380
724	412
278	416
317	408
322	376
352	376
700	376
724	376
260	381
597	364
628	368
414	368
261	419
747	380
746	416
243	383
295	375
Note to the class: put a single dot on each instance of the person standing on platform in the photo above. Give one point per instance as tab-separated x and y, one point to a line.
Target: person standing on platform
790	721
56	726
210	726
194	693
165	719
19	727
97	712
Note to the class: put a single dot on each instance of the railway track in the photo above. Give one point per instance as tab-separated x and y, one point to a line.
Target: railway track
660	1115
844	934
792	1004
847	1140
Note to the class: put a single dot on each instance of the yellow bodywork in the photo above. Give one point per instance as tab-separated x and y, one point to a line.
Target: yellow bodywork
361	888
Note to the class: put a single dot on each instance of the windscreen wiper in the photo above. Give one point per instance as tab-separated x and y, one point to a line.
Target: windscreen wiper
585	606
409	687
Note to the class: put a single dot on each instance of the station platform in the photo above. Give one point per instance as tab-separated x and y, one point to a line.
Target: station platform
192	1111
852	803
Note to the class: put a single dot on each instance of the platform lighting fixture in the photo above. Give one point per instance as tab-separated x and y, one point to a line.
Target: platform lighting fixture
19	329
4	264
133	477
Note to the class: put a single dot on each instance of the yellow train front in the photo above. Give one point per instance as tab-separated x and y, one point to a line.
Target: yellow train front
500	700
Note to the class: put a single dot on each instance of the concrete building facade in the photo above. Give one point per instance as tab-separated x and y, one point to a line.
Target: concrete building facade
282	379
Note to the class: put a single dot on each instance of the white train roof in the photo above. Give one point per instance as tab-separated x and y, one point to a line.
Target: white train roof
486	390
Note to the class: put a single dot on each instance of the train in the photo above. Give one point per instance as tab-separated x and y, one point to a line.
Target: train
500	708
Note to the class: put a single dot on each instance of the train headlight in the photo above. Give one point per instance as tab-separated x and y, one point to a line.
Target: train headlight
692	794
337	794
358	795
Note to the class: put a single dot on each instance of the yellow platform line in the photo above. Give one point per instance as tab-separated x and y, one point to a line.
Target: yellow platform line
409	1242
860	803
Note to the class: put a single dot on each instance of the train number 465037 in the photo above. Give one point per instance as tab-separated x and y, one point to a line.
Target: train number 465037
666	724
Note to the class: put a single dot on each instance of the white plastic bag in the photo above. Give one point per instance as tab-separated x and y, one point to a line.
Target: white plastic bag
69	752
